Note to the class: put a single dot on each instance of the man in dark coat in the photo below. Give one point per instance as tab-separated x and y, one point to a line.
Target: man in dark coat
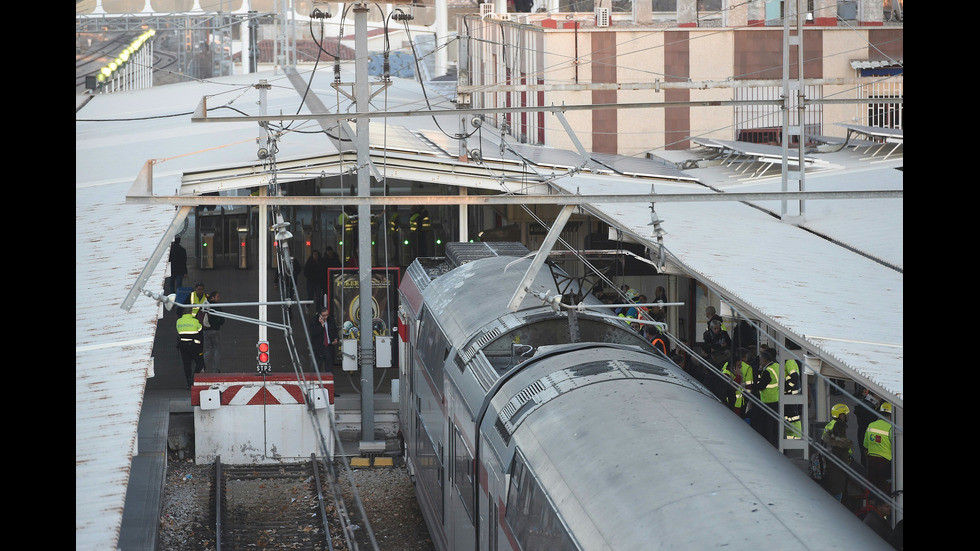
178	265
316	277
324	338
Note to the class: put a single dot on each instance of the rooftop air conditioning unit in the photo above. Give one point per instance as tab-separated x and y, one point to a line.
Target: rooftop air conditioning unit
486	9
602	17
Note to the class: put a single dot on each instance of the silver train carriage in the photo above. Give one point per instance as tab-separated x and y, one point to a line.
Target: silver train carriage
519	436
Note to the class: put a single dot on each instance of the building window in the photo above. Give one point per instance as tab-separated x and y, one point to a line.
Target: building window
763	124
615	6
883	115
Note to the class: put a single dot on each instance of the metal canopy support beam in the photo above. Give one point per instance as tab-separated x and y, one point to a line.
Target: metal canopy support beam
571	134
510	199
201	113
540	256
155	257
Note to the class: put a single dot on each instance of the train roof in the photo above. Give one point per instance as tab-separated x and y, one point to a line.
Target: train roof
634	463
458	297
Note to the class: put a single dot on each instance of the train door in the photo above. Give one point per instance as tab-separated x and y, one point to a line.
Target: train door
489	510
462	495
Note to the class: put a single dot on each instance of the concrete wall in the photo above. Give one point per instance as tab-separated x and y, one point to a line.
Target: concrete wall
244	435
252	419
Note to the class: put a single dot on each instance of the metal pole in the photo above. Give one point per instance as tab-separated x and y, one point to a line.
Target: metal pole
785	107
362	91
801	99
263	238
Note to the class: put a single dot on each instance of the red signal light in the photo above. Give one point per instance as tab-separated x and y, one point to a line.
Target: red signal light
263	355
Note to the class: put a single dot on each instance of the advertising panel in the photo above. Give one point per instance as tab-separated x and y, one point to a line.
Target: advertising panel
344	295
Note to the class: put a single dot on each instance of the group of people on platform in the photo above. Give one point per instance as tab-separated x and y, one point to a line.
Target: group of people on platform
198	330
315	271
198	334
733	368
758	375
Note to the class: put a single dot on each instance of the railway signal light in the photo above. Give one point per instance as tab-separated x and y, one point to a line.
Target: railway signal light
262	356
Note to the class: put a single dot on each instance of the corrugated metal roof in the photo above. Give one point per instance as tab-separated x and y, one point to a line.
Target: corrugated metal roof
112	351
875	63
835	278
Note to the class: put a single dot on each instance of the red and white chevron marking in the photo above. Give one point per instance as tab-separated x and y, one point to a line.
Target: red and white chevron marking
238	389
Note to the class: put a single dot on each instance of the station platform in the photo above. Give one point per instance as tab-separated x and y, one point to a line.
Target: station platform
166	417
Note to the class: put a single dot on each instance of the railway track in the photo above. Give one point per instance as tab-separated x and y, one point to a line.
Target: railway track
100	53
282	506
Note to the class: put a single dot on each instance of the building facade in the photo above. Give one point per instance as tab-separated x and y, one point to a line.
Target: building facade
735	63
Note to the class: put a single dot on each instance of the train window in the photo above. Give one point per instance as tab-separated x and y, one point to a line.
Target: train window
530	514
463	473
512	347
430	467
433	349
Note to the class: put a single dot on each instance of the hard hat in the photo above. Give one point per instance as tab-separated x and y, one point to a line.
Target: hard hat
885	407
839	409
631	294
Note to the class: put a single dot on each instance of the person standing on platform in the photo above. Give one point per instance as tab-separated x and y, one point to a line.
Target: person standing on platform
395	236
190	344
655	335
865	413
878	440
744	335
711	314
793	387
419	225
741	374
330	260
198	296
212	338
315	272
178	265
347	227
717	344
324	338
716	350
836	440
765	421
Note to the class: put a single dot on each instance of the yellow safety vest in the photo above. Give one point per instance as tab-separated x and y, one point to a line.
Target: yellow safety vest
878	439
770	394
197	300
791	368
189	329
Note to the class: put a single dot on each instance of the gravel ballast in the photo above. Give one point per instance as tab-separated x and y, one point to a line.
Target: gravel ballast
386	493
